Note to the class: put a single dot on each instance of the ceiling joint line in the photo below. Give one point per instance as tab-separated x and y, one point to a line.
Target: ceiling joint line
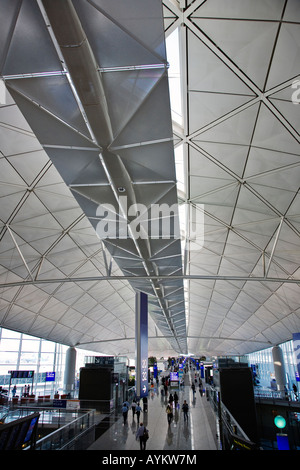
128	68
19	251
191	277
140	144
21	76
275	45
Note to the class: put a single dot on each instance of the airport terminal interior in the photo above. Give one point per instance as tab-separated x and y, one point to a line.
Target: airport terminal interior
150	225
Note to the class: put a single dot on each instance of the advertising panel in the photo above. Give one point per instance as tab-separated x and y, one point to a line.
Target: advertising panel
142	345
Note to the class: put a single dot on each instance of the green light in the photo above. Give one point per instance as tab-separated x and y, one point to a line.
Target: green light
280	422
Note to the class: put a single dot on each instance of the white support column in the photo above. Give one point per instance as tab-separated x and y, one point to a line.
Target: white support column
279	368
70	369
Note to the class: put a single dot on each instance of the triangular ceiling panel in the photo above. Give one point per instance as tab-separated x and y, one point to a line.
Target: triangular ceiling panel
248	44
23	49
285	63
55	96
144	122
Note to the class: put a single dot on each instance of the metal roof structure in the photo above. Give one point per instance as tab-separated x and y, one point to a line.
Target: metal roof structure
90	130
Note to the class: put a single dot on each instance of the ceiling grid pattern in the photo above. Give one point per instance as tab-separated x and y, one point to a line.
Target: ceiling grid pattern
240	134
99	138
242	146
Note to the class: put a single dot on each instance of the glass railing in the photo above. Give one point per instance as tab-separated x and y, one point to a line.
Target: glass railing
74	435
265	393
231	436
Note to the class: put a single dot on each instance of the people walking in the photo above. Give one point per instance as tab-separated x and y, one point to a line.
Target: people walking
142	434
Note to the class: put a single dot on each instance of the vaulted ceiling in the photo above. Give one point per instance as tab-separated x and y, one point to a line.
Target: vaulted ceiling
86	118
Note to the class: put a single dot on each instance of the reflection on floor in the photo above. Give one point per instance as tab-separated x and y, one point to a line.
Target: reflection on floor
198	433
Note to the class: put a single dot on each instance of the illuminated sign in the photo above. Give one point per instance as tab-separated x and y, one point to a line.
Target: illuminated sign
50	376
21	374
142	345
174	376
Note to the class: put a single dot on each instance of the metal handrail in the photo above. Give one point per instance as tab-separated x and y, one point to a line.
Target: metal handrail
64	436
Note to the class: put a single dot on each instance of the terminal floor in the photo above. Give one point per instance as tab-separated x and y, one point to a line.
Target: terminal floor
198	433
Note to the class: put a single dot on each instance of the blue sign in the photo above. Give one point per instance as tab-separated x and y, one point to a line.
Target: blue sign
59	403
142	345
174	377
282	442
50	376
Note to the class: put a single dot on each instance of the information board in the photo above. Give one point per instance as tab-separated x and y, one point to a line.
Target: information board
141	345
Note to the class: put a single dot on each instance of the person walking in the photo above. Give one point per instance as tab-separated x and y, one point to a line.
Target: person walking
145	404
169	412
295	390
133	407
185	409
125	412
200	387
138	410
175	399
142	434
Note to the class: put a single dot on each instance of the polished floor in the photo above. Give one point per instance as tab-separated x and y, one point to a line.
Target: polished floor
198	433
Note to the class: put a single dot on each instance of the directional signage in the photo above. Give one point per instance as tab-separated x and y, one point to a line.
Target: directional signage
50	376
141	345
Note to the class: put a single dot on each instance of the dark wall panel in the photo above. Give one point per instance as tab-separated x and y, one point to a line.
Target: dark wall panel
237	394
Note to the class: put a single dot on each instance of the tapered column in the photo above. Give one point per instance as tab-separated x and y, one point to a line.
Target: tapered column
279	368
70	369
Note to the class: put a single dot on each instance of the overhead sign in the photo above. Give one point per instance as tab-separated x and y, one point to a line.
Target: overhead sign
174	376
104	360
50	376
21	374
